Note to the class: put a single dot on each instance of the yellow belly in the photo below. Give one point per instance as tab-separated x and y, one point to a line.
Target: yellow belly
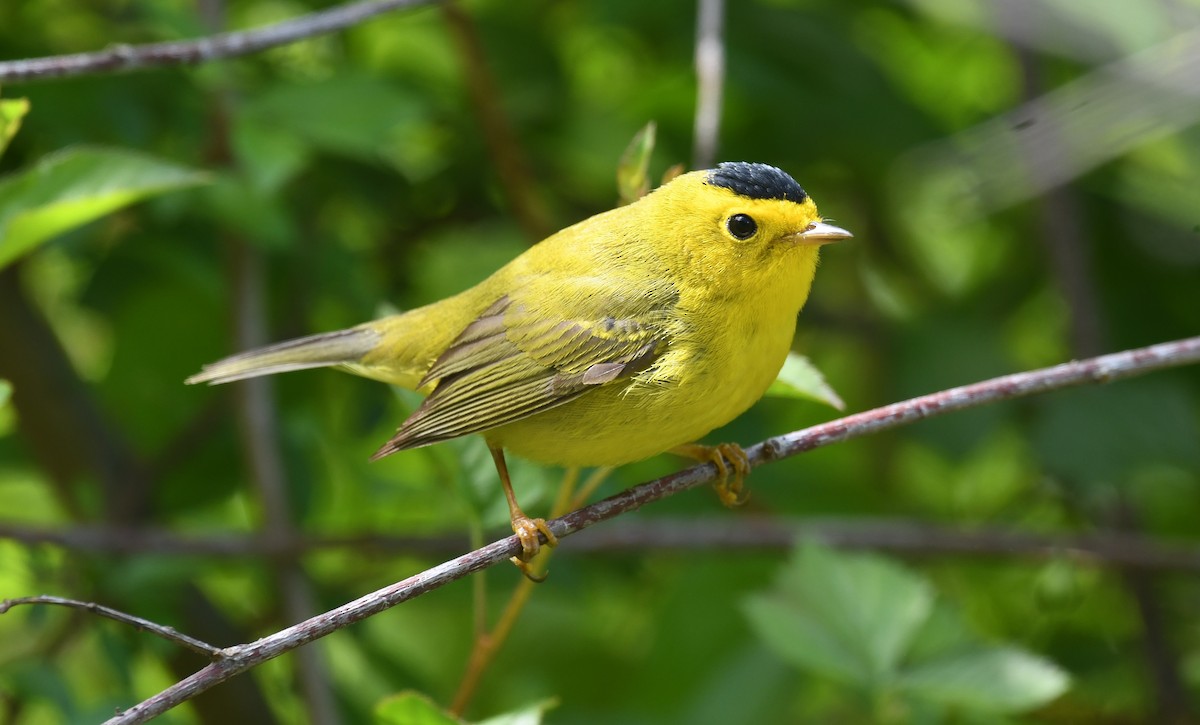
622	423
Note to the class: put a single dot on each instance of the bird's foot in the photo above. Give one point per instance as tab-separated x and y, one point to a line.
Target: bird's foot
527	531
728	458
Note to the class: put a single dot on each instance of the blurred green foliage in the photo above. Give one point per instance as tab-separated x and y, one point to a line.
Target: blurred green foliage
349	175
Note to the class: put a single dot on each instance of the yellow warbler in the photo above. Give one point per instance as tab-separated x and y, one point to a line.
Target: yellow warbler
628	334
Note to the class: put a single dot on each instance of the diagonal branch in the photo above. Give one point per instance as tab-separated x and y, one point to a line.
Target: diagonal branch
199	50
1103	369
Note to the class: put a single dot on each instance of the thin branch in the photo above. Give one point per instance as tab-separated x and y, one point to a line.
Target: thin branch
240	658
710	80
167	633
200	50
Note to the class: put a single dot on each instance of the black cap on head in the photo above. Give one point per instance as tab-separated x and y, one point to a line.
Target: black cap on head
756	181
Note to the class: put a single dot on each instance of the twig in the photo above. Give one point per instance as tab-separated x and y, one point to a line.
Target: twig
710	80
167	633
199	50
240	658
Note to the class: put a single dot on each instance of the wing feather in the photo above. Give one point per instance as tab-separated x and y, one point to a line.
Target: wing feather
511	363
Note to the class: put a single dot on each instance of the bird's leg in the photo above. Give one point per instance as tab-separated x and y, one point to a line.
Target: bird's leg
524	527
724	456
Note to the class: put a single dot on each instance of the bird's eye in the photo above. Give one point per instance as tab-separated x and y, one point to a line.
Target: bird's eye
741	226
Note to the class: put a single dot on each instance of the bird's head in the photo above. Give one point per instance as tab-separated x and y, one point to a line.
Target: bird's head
741	224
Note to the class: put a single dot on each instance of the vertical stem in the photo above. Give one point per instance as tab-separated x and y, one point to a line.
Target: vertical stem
1058	221
710	80
487	644
1071	261
256	415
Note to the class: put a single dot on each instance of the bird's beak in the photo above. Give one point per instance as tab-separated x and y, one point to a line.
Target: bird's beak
822	233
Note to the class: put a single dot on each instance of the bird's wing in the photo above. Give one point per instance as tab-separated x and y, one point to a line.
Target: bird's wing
514	361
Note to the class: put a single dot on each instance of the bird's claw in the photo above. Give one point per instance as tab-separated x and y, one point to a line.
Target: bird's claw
527	531
725	456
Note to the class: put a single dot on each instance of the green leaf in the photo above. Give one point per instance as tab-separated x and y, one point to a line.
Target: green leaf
5	392
411	708
528	715
800	379
11	113
1002	679
267	155
70	188
632	171
352	115
414	708
848	616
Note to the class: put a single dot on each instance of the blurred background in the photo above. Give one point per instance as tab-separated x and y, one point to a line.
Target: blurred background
1023	181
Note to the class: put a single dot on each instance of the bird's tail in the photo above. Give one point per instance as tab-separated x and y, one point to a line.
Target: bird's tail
344	347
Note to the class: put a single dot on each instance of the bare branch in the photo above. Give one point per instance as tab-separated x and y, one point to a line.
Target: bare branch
167	633
1096	370
213	47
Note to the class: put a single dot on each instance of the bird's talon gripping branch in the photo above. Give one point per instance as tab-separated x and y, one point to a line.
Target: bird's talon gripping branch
527	531
525	528
724	456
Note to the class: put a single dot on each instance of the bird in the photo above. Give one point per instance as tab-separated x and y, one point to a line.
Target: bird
631	333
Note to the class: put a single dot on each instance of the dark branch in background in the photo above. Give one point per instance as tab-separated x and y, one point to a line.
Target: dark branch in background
1058	212
86	457
256	414
1158	645
1070	254
726	533
68	433
240	658
502	144
200	50
167	633
255	409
